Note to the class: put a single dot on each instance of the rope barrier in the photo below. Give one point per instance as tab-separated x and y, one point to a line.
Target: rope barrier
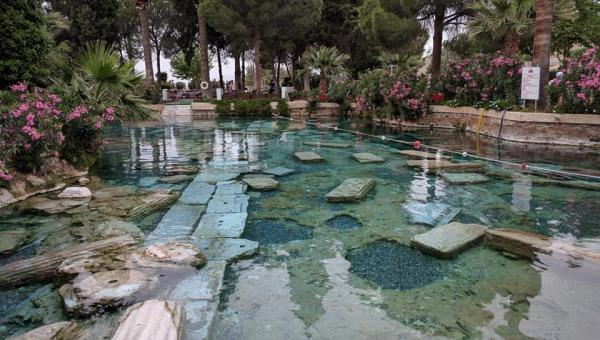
417	145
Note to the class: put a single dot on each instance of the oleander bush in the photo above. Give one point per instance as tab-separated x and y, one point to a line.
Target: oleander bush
578	90
383	94
489	81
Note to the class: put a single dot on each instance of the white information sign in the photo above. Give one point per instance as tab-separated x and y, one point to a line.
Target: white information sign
530	83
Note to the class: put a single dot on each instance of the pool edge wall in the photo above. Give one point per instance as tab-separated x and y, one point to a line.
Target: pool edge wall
528	127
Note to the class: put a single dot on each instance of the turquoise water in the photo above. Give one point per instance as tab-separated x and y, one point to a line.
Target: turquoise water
345	270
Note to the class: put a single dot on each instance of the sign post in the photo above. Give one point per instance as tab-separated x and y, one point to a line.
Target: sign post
530	84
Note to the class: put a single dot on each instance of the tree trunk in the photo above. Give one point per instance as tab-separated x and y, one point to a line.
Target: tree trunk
511	43
43	267
438	38
237	72
306	78
322	86
158	70
142	7
257	66
542	47
243	71
204	66
221	82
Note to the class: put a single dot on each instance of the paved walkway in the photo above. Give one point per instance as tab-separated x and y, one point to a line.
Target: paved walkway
211	213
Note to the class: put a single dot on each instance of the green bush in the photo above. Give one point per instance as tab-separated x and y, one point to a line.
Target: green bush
24	45
244	107
282	108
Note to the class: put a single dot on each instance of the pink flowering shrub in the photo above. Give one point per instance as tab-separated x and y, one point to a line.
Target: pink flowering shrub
31	126
83	128
578	91
384	94
491	81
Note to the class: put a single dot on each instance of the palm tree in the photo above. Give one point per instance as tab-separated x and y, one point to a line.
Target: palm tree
329	61
98	80
504	19
142	7
509	19
544	11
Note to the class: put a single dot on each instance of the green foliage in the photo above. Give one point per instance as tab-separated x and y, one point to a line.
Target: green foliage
90	20
392	25
244	107
585	31
329	61
188	70
97	79
506	19
342	92
338	27
24	44
283	108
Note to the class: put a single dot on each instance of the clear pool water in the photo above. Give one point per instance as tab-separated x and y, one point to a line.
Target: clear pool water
345	271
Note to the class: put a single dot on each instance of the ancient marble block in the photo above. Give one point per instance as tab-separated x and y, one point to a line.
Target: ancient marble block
448	240
351	190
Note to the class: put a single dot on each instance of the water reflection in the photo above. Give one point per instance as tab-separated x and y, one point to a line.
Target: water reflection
521	195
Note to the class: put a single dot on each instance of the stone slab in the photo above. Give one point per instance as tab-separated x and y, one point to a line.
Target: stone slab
261	183
329	145
279	171
221	204
351	190
76	193
197	192
12	240
174	179
221	225
464	178
448	240
431	214
47	332
419	154
518	242
199	295
228	249
230	188
177	224
151	319
445	165
309	157
215	177
366	157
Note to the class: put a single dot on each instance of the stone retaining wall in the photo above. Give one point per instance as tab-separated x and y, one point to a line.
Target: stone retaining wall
297	109
543	128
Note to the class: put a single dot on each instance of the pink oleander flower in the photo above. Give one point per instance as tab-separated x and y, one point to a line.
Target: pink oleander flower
98	125
61	138
30	119
19	87
109	114
5	176
582	96
54	99
77	112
